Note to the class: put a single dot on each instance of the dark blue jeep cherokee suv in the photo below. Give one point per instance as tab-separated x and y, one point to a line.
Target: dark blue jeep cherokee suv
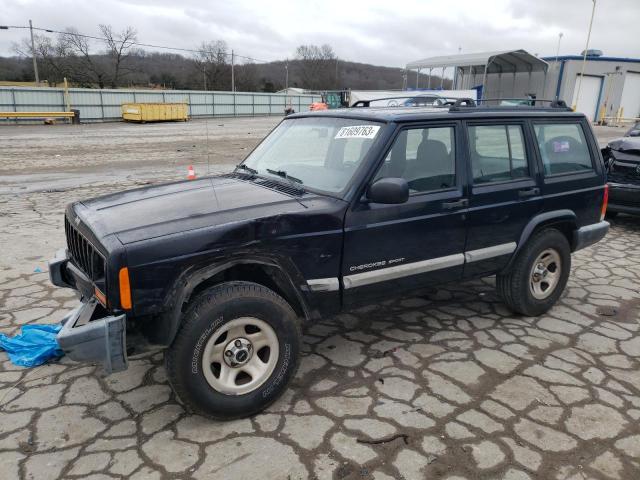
331	210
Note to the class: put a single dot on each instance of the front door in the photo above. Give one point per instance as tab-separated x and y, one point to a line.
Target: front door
393	248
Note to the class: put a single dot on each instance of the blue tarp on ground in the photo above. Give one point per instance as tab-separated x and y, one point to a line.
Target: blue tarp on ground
35	345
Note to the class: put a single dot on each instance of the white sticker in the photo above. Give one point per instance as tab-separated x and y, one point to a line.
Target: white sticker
358	131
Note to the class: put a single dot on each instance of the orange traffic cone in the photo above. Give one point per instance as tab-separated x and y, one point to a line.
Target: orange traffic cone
191	174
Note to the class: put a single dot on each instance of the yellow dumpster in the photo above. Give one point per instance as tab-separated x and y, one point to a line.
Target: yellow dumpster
155	112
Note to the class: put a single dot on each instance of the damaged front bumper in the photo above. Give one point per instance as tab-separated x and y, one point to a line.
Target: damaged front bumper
87	336
89	332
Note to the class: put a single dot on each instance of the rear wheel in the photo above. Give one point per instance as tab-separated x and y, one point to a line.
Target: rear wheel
539	274
236	351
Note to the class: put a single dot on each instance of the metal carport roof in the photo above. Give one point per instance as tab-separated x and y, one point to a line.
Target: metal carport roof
505	61
468	66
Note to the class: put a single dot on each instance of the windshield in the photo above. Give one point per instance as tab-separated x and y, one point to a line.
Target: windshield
321	153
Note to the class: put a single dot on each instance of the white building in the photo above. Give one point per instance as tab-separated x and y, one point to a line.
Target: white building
610	85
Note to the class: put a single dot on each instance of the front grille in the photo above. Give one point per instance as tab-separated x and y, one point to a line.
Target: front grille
83	254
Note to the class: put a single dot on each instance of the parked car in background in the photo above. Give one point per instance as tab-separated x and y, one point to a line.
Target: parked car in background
622	158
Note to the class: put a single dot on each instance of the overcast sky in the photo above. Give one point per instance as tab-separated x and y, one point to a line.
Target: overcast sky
378	32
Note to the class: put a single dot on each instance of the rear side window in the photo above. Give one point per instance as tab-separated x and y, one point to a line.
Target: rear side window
497	153
563	148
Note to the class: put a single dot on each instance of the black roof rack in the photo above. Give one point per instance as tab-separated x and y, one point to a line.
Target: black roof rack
401	98
469	105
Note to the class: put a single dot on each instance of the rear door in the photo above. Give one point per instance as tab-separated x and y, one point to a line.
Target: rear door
504	192
573	174
395	248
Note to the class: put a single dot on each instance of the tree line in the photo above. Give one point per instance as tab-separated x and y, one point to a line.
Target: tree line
116	61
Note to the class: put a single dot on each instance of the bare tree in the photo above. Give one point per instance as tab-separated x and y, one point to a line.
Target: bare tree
246	77
53	57
119	50
316	65
211	62
89	67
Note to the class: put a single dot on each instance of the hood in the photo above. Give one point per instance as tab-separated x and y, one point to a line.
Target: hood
626	143
167	209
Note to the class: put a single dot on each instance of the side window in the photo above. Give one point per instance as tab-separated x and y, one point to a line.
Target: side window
563	148
424	157
497	153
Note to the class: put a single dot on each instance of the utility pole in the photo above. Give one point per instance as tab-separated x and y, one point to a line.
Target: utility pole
286	83
584	56
33	54
558	49
336	72
233	79
204	76
286	74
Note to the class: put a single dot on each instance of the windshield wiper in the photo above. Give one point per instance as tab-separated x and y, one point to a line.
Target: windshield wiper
248	169
285	175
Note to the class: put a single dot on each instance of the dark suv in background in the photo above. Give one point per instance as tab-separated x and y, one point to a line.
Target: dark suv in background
332	210
622	158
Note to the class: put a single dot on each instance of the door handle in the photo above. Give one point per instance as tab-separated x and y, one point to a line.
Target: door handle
463	202
529	192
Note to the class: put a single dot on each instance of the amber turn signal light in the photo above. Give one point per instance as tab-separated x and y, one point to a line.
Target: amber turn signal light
125	289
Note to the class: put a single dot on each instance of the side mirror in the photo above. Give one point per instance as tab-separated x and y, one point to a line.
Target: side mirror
389	190
634	133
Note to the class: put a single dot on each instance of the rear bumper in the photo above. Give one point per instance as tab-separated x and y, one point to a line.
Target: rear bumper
590	234
86	336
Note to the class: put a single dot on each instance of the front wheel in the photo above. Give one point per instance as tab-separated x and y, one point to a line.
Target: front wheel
236	351
539	274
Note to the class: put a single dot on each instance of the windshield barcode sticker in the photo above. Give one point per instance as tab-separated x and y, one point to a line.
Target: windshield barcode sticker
358	131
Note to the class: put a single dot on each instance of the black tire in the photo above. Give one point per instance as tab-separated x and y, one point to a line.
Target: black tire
208	313
611	214
514	286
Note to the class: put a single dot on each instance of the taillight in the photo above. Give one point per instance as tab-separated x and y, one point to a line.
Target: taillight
605	202
125	289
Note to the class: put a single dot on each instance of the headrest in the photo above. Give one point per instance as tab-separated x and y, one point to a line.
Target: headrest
561	145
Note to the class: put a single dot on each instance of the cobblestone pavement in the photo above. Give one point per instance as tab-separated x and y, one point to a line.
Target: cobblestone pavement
445	384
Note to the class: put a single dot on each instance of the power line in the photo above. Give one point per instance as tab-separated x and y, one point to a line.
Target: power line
148	45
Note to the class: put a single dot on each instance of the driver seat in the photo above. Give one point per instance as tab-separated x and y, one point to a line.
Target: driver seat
432	160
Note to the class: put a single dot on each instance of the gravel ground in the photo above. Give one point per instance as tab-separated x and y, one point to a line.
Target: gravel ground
62	156
445	384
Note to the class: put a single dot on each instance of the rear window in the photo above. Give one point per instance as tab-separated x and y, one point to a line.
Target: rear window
497	153
563	148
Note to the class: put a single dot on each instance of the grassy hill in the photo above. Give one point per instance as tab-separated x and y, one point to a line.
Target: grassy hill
166	70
